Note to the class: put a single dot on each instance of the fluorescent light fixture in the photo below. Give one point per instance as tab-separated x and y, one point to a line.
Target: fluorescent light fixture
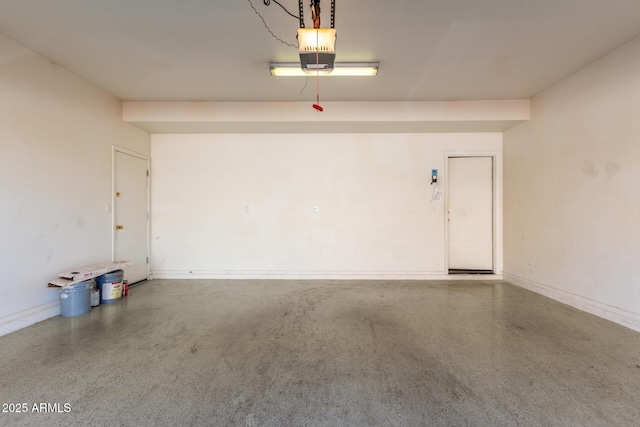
340	69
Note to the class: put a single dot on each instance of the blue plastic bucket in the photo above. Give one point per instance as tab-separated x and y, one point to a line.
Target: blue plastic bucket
75	300
110	285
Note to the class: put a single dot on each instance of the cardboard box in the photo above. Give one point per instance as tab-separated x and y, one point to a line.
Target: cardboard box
67	278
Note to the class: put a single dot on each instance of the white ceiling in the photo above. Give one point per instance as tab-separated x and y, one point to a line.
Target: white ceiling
219	50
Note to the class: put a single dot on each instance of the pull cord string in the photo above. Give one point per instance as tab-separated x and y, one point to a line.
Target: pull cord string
317	73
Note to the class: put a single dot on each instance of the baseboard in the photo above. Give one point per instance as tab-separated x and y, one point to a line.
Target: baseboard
318	275
28	317
623	317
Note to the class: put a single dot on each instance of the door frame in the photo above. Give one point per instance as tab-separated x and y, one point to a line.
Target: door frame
116	149
497	205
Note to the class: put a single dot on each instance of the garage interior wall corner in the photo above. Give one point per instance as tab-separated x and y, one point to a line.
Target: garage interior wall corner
56	136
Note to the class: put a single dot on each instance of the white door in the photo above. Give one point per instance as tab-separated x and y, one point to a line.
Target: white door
470	213
130	213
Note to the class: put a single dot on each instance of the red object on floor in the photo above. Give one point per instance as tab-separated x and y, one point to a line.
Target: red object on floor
317	107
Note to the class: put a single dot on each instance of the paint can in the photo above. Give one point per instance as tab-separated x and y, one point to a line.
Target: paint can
95	297
125	287
110	285
75	299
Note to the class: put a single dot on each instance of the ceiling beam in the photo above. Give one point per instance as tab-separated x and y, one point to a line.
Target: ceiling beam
338	117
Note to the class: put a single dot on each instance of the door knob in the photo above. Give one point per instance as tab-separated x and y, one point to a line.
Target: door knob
119	227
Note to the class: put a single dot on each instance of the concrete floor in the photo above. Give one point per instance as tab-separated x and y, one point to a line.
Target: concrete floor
323	353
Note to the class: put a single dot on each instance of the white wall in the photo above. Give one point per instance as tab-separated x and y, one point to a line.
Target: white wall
56	133
572	191
242	205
